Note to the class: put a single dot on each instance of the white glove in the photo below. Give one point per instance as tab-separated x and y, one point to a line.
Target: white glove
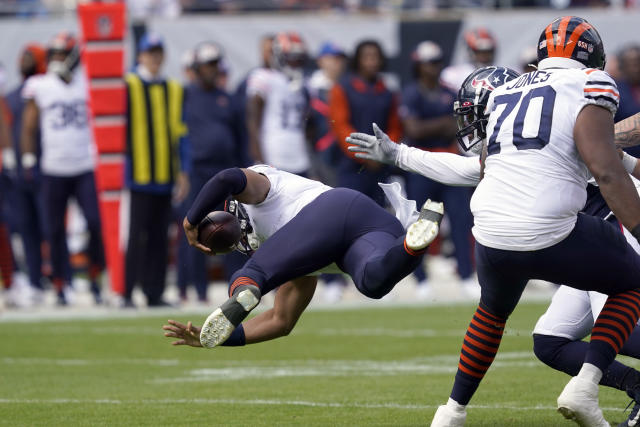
28	160
8	159
379	147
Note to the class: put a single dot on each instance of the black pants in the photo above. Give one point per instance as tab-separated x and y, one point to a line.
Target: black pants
147	250
56	191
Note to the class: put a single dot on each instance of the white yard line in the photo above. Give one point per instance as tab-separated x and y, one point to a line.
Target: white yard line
267	402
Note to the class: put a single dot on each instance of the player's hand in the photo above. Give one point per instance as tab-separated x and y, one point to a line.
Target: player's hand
181	188
378	147
187	334
191	232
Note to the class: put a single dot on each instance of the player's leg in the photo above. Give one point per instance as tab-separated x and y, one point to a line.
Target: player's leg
607	264
157	251
55	193
140	210
502	281
380	253
85	194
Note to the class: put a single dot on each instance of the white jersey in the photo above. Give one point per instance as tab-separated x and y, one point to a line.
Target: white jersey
282	134
535	180
66	138
288	194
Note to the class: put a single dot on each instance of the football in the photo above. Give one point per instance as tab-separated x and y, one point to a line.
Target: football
219	231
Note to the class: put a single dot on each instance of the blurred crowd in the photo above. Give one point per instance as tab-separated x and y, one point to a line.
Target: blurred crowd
173	8
292	111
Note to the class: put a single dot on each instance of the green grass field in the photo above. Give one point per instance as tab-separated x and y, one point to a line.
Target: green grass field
368	366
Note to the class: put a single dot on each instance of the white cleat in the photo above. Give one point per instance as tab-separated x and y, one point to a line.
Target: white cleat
424	231
447	416
221	323
579	402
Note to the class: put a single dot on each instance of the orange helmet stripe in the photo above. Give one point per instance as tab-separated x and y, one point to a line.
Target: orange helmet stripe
550	47
561	35
577	32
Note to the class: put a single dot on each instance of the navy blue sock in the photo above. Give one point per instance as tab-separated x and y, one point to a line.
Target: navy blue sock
236	338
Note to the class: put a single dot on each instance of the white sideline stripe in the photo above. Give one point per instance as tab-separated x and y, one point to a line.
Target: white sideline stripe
403	333
359	369
436	360
390	405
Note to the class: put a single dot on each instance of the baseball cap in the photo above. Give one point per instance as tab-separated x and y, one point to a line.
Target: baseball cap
332	49
150	41
427	51
207	52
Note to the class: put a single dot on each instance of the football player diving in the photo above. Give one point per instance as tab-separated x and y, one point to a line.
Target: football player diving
295	228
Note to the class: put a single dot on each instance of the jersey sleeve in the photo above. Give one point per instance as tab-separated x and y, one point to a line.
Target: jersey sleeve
446	168
259	83
600	89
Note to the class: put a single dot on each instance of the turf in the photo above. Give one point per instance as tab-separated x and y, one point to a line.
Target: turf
368	366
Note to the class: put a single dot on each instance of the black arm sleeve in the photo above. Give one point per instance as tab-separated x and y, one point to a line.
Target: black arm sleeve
224	184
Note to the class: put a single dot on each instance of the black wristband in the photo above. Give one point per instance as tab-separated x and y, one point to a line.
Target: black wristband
635	232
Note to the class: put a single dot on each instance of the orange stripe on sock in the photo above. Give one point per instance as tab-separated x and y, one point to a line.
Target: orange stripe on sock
412	252
480	345
498	325
468	371
483	336
624	305
494	318
615	334
473	363
484	327
476	354
242	281
607	340
615	315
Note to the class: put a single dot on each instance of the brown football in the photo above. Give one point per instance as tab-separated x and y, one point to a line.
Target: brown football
219	231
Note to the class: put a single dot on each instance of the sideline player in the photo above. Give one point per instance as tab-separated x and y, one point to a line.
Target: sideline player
57	104
571	314
300	227
532	231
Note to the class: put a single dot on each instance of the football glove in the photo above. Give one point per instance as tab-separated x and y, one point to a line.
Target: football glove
378	147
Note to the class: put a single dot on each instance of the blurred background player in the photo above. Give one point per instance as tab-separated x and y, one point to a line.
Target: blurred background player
481	48
331	61
429	125
277	106
156	168
629	85
56	103
215	145
26	212
529	60
359	98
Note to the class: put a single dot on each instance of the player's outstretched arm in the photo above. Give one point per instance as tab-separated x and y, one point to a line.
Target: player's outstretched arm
290	302
593	135
627	132
446	168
